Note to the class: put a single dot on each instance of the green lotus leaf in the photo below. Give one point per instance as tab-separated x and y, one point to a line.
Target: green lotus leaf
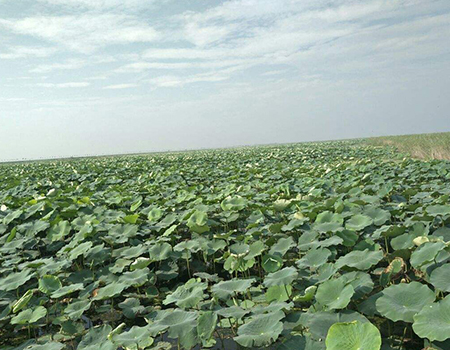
378	215
282	277
131	307
436	210
225	289
31	229
197	222
80	249
307	296
76	309
135	339
362	283
272	263
206	324
63	291
261	330
320	322
433	321
59	231
314	258
358	222
440	278
278	293
188	295
353	336
23	301
140	263
49	284
361	260
97	339
47	346
282	246
233	203
29	316
233	311
334	294
179	323
155	214
135	278
426	253
111	290
402	301
14	280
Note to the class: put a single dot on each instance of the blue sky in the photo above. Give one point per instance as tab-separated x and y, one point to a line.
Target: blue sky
85	77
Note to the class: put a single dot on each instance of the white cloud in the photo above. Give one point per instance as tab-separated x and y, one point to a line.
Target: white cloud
120	86
86	32
177	81
68	65
64	85
16	52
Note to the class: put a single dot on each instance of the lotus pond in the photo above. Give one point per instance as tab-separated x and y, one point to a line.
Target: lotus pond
336	246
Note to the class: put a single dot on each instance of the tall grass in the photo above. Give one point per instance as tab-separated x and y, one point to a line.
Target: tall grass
423	146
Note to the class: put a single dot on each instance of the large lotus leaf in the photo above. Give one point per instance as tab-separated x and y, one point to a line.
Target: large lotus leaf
179	322
47	346
327	216
233	203
135	278
29	315
436	210
402	301
362	283
360	259
111	290
314	258
23	301
10	217
282	246
278	293
155	214
440	278
272	263
135	339
63	291
378	215
76	309
353	336
97	339
334	294
49	284
14	280
328	227
206	324
131	307
358	222
298	342
233	311
188	295
225	289
59	231
426	253
320	322
433	321
160	251
282	277
80	249
197	222
30	229
261	330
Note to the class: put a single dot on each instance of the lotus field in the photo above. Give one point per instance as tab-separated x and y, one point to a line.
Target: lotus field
336	246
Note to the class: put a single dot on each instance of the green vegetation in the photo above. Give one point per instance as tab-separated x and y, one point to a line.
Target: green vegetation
335	245
422	146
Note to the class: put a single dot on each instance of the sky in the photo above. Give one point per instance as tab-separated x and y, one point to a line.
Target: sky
91	77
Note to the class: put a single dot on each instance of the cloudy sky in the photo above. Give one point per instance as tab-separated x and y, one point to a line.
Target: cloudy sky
85	77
